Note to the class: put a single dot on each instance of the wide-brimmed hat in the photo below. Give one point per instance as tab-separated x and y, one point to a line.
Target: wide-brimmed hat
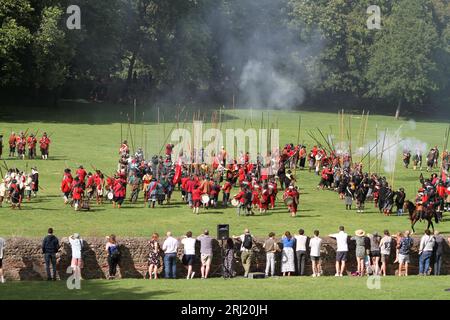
360	233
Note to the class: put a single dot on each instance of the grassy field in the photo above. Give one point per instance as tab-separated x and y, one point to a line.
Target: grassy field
329	288
89	134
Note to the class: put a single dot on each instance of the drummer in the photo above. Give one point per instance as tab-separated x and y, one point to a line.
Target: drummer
196	199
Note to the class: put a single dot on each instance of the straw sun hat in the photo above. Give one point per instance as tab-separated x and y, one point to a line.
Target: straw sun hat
360	233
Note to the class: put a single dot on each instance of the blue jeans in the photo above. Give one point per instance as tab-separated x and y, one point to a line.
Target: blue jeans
424	262
170	265
50	258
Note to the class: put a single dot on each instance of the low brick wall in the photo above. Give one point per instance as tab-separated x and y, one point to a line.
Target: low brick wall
23	259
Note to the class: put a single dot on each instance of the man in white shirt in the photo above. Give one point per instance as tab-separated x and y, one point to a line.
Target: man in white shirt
425	252
300	251
170	248
189	253
315	245
341	251
2	247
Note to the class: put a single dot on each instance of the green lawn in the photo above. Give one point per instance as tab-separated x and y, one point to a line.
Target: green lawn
90	135
391	288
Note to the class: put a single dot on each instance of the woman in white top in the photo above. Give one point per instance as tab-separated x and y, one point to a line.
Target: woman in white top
385	250
189	254
76	243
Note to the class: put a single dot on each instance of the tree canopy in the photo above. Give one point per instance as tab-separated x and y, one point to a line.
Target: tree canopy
195	50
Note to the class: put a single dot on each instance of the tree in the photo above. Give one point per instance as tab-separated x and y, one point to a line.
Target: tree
401	65
50	50
14	38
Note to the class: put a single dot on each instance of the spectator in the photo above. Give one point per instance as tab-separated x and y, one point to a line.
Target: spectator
246	250
385	249
300	251
113	252
170	248
438	252
206	253
397	238
360	252
50	246
228	263
271	247
76	244
425	251
375	251
315	245
341	252
154	262
404	247
2	247
287	260
189	254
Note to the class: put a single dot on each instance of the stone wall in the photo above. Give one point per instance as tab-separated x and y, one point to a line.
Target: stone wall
23	259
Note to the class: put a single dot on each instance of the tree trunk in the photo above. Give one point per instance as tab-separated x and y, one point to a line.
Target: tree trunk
397	112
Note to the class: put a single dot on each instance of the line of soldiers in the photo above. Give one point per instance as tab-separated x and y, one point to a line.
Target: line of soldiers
432	159
22	142
17	185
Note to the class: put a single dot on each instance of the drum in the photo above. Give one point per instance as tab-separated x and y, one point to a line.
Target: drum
205	199
234	202
289	201
110	195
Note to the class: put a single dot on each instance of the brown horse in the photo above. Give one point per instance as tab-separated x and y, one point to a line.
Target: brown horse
414	214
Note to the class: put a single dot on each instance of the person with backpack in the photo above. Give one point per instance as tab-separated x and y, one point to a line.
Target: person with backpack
246	250
50	246
76	244
112	249
404	246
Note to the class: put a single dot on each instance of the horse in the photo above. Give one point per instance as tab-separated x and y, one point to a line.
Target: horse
414	214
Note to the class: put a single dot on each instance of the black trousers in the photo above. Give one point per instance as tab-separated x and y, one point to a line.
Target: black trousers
50	258
112	262
301	262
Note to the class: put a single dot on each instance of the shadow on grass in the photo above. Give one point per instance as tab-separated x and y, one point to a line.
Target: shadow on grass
89	290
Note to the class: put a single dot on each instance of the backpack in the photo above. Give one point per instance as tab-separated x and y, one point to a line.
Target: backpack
248	243
114	252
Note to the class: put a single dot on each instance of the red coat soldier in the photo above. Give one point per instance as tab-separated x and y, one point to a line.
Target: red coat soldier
44	144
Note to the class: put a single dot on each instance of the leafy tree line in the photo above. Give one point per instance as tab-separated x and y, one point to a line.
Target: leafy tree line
184	50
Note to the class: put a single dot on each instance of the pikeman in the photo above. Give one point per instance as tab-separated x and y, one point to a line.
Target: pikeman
226	188
264	203
120	191
66	185
99	181
44	144
15	195
81	174
272	192
31	141
169	148
90	185
21	144
12	144
406	158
